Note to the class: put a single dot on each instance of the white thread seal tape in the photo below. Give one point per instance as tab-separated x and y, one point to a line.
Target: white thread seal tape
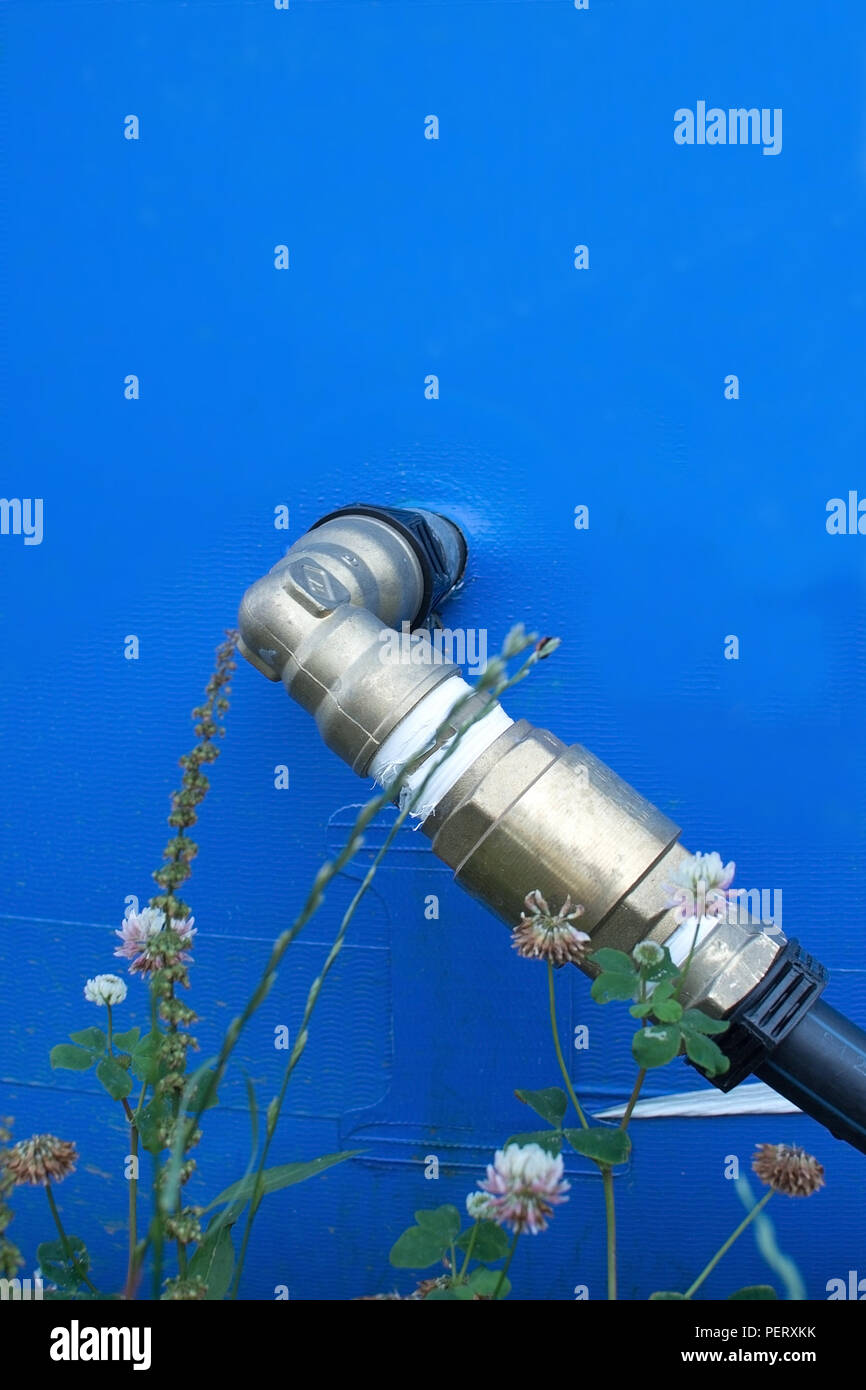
418	730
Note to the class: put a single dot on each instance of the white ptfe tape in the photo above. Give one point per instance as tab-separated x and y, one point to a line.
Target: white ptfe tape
681	941
418	730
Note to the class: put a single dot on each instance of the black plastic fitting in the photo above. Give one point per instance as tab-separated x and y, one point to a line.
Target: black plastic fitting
784	1033
764	1018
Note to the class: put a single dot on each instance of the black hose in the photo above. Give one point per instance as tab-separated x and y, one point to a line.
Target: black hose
821	1066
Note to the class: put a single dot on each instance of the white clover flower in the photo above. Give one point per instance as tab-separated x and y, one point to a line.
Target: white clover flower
105	989
648	953
142	941
478	1206
523	1184
700	886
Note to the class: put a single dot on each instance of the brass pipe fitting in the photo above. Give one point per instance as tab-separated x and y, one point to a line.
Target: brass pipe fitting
511	809
532	813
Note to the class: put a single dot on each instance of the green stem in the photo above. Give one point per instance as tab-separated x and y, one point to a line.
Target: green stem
154	1234
610	1215
687	964
132	1263
506	1266
559	1057
470	1247
124	1102
632	1100
448	730
175	1106
727	1245
453	1264
156	1240
64	1239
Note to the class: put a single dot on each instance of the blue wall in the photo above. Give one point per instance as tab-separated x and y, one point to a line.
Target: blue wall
558	387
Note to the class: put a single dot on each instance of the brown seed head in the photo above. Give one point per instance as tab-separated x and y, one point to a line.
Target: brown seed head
788	1169
40	1160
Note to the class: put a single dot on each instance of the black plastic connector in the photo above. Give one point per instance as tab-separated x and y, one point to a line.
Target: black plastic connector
769	1012
784	1033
